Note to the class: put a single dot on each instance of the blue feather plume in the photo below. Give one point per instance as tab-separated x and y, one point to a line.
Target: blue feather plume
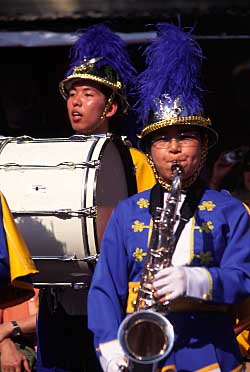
99	41
173	63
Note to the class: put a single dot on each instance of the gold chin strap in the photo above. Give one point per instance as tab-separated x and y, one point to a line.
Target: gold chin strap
167	185
108	105
103	115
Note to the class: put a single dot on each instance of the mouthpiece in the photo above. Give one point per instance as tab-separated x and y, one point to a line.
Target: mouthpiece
176	168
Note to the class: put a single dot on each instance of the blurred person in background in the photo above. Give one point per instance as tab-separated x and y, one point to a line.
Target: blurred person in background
18	336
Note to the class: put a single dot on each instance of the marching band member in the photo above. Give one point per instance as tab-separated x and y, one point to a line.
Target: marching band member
210	268
95	89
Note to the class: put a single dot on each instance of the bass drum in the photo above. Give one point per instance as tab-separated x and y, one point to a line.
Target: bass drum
61	193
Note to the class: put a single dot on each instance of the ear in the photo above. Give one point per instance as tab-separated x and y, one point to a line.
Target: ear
112	110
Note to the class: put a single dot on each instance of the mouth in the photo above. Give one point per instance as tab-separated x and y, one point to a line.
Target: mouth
177	161
76	113
76	116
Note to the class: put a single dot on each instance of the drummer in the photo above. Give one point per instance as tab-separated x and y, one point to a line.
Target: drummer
95	89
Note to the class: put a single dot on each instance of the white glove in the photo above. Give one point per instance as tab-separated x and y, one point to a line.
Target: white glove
115	365
170	283
175	281
112	356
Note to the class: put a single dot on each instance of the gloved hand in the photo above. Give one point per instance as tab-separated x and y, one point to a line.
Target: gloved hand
112	356
170	283
174	281
115	365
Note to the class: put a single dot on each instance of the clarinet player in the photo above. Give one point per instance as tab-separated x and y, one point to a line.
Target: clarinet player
210	265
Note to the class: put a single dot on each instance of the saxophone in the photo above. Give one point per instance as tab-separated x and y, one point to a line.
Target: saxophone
147	336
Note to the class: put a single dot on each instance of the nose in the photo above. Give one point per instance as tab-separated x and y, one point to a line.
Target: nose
76	101
174	145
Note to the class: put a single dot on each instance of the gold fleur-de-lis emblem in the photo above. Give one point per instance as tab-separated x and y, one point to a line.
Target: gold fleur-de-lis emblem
205	258
143	203
207	205
139	226
139	254
205	227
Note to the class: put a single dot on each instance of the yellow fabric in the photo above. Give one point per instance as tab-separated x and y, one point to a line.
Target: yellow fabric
243	341
20	262
212	367
133	288
144	174
171	368
247	207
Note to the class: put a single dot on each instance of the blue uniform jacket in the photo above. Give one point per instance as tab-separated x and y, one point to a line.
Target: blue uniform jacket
220	242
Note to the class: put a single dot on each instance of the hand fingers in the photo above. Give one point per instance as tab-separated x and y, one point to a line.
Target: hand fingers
169	297
169	283
168	274
166	288
164	272
166	281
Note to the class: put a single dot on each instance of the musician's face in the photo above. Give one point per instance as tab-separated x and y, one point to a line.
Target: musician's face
86	104
180	144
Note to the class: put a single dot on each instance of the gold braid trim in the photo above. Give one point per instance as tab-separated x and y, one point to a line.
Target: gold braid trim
187	120
116	85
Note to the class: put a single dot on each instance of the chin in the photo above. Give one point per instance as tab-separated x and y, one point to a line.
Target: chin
79	130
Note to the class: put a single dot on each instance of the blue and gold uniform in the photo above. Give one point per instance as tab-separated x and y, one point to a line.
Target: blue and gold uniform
219	241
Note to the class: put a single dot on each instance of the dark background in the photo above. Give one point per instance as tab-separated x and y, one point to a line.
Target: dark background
29	98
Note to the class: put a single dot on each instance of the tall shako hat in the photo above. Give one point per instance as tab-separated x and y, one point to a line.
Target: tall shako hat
101	56
169	88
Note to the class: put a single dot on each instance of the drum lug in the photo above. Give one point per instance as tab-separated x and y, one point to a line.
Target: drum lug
91	259
80	285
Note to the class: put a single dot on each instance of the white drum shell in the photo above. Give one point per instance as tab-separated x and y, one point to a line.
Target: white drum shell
48	185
